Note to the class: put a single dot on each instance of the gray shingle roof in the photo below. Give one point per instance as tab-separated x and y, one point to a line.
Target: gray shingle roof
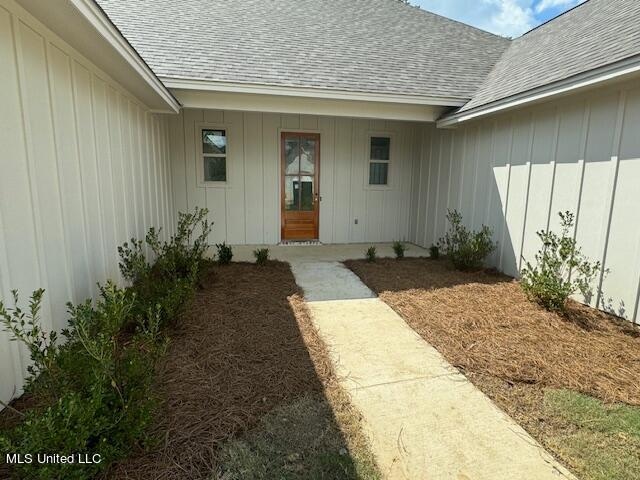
592	35
373	46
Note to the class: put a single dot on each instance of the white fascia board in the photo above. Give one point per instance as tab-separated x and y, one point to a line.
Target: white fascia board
103	25
228	87
578	82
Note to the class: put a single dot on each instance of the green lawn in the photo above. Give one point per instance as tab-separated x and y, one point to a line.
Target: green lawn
602	441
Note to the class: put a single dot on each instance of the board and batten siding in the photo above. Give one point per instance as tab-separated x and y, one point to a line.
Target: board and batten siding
516	171
83	167
247	209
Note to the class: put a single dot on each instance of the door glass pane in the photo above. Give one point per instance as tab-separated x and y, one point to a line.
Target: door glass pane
306	193
308	155
214	141
291	155
215	169
291	192
378	173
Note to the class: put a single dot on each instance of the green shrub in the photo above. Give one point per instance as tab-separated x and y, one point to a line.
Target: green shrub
561	269
434	251
467	249
225	254
262	256
100	401
399	248
371	254
168	284
93	392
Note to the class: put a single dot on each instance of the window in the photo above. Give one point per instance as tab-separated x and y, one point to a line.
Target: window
214	153
379	160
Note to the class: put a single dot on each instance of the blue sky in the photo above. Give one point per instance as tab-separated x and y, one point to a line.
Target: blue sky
510	18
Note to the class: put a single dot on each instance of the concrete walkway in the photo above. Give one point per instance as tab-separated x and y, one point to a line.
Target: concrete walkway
425	420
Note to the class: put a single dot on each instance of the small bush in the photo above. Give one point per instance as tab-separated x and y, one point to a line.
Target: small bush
467	249
225	254
399	248
561	269
434	251
371	254
93	392
262	256
97	398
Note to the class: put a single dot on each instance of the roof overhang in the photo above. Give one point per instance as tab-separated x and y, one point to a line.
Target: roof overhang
616	72
313	101
83	25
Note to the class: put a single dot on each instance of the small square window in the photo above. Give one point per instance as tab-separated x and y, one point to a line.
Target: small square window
379	157
214	154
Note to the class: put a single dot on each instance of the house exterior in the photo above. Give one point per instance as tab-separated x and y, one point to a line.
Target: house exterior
343	122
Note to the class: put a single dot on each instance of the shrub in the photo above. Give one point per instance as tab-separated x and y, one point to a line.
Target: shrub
434	251
399	248
371	254
225	254
262	256
467	249
93	392
561	269
101	400
167	285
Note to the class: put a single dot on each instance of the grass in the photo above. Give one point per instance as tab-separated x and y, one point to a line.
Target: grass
296	441
602	442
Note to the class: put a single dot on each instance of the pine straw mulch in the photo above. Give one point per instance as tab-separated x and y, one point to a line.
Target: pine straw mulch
484	324
245	346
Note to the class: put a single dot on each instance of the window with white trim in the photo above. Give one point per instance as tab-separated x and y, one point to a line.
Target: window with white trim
214	154
379	157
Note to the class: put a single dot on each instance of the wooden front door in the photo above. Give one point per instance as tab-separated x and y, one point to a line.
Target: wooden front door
300	204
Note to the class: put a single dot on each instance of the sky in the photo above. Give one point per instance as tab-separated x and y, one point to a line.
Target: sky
510	18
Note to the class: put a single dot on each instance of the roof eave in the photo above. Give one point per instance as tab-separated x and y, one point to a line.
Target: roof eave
308	92
593	78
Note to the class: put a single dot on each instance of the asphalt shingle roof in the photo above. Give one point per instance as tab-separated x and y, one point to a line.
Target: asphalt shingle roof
592	35
373	46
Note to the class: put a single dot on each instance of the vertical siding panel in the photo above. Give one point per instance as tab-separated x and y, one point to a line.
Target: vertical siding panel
253	178
178	170
69	173
104	159
621	285
540	183
236	196
358	179
117	166
326	126
19	266
271	176
42	171
343	217
597	176
88	171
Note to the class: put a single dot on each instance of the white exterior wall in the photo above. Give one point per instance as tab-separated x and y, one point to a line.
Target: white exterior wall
247	209
83	167
516	171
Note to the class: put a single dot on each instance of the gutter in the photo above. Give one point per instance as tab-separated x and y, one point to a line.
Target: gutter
581	81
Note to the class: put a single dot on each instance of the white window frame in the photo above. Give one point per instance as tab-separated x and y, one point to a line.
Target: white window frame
201	155
390	162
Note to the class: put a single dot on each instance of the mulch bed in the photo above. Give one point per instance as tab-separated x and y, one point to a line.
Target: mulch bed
484	324
245	346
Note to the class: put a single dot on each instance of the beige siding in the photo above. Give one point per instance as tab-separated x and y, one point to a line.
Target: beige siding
84	166
516	171
247	209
